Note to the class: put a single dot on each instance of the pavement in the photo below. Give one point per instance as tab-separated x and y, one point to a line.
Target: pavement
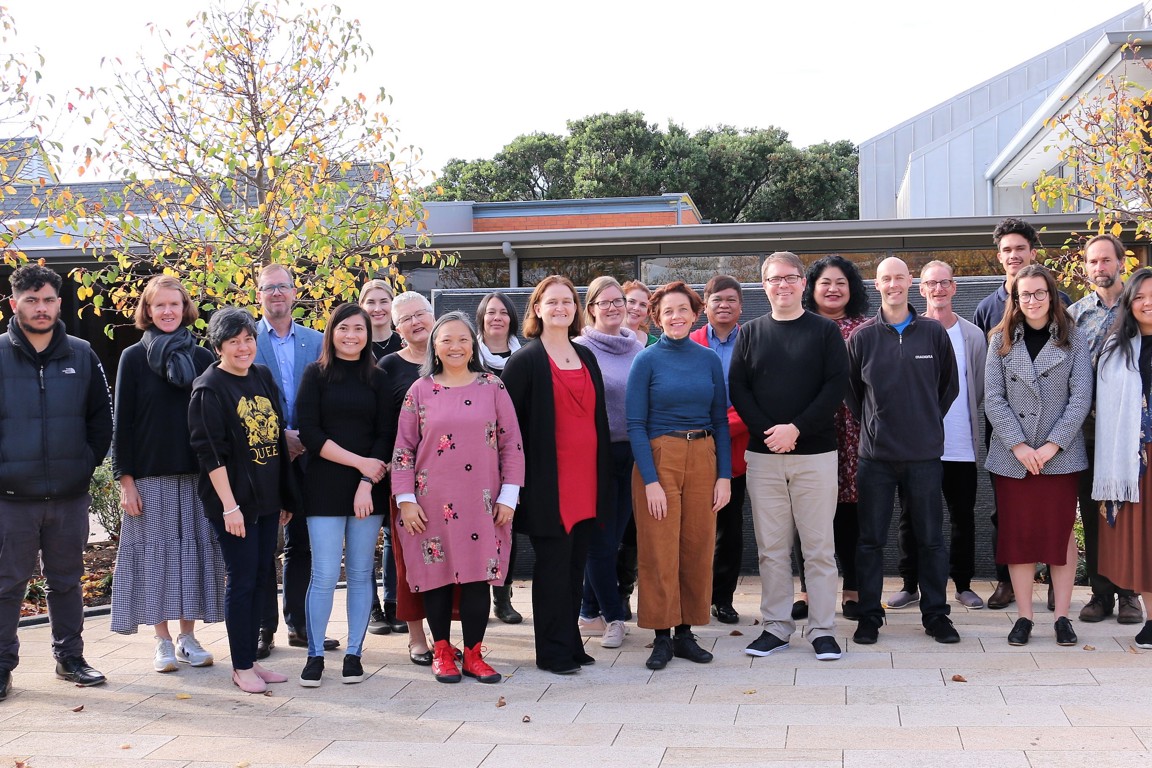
906	701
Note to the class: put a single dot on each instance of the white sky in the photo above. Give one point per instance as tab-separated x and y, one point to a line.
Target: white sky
468	77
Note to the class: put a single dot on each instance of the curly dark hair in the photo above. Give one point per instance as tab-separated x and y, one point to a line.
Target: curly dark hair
859	304
33	277
1014	226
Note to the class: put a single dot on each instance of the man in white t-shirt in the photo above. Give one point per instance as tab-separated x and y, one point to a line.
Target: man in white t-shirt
961	437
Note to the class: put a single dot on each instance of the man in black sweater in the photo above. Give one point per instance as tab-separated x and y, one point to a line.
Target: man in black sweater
788	375
902	377
55	427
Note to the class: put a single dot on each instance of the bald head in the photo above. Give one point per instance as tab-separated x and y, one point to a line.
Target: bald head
892	282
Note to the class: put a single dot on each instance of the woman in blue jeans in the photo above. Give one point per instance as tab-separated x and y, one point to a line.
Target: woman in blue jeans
615	346
347	419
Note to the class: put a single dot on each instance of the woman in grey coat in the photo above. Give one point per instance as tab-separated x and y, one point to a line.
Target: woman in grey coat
1038	389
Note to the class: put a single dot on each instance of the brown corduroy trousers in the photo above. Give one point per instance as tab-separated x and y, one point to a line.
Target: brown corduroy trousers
675	554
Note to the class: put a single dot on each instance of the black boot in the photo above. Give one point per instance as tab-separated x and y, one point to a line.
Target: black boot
502	606
390	619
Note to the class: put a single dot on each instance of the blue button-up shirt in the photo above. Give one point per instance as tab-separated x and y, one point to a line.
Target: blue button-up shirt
724	348
284	348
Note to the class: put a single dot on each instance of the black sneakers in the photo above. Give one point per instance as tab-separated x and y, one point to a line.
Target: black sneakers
661	652
867	630
766	644
353	671
313	672
827	649
940	628
684	646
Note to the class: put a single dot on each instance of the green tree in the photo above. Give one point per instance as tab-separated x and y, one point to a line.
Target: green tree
1104	163
732	175
238	149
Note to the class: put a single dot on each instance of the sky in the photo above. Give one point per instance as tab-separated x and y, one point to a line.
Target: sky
468	77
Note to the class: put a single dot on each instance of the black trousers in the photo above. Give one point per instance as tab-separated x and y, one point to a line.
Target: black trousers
729	544
958	484
557	587
297	574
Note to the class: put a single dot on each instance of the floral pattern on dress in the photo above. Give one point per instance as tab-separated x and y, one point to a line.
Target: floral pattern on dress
445	444
488	501
403	459
490	434
847	432
450	513
433	550
409	403
422	483
494	569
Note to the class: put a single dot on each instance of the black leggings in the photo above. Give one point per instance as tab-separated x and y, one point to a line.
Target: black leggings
474	608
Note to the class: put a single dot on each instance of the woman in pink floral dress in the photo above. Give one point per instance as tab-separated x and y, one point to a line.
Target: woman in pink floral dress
457	471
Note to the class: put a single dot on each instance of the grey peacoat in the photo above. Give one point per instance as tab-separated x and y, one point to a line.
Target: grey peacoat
1036	402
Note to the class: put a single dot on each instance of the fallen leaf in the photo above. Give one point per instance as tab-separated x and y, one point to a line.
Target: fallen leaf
125	746
243	764
755	622
1089	647
1132	650
21	764
183	695
501	703
78	709
750	692
526	719
735	633
959	679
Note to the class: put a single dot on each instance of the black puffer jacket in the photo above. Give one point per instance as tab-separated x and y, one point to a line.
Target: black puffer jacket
55	416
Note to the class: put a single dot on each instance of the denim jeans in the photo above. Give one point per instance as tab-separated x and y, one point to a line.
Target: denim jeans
959	486
601	590
355	539
918	483
250	577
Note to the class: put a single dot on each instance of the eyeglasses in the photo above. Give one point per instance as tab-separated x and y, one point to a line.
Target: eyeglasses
637	303
934	284
605	303
1026	297
409	318
777	281
277	288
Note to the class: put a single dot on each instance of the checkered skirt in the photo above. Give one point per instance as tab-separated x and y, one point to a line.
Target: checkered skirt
168	564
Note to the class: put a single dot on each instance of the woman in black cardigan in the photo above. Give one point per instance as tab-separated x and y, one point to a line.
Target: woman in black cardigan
565	488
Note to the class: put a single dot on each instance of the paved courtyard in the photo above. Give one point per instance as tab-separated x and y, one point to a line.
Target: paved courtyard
906	701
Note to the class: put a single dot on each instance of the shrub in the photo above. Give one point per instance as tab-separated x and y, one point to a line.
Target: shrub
105	492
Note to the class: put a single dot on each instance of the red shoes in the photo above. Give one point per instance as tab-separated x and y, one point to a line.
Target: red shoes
444	662
475	666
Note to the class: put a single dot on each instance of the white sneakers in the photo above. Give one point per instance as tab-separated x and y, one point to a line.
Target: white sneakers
613	636
189	651
592	627
165	659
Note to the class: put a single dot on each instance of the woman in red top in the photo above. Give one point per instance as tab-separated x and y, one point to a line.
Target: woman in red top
558	392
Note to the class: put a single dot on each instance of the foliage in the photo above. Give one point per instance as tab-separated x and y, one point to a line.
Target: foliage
29	197
732	175
105	492
1104	140
238	149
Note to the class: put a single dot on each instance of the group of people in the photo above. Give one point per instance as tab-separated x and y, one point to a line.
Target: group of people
625	458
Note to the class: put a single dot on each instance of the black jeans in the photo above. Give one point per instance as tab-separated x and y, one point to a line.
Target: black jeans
918	483
959	486
297	574
247	561
56	530
729	544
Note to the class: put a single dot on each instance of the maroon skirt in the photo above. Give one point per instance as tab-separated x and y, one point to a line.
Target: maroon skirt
1126	549
1035	517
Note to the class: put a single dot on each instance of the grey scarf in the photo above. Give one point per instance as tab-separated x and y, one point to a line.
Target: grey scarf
1119	400
169	355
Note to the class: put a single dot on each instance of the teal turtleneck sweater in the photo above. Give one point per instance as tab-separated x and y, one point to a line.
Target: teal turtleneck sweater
676	385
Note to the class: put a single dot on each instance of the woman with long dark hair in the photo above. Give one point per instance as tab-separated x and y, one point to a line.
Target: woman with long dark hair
347	422
1122	481
168	565
835	290
497	325
558	392
1037	393
457	472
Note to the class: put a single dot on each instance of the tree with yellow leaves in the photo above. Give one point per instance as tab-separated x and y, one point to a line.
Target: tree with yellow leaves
238	149
1105	163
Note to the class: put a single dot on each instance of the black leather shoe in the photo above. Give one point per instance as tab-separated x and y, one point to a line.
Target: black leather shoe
867	631
420	659
75	670
584	659
559	667
684	646
1065	635
5	683
725	614
661	653
851	609
1021	632
942	629
799	610
264	644
300	640
502	606
390	619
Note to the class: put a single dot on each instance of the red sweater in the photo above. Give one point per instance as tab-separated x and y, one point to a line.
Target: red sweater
736	429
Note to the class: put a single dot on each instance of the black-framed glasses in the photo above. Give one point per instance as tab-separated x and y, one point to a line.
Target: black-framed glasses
605	303
1027	296
780	280
934	284
277	288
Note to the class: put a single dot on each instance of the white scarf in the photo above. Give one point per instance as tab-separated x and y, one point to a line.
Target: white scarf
1119	400
495	362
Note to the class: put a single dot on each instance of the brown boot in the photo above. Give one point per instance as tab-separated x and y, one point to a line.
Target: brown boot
1097	609
1128	610
1002	597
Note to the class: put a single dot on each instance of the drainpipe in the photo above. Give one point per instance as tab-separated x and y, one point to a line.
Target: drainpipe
990	197
513	264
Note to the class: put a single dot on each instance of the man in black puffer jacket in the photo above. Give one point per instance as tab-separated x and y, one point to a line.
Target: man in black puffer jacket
55	427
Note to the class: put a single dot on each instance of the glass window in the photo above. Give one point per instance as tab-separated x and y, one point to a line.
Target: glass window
580	271
697	270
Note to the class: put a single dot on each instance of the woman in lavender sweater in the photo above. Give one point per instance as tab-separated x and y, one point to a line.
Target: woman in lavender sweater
615	347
